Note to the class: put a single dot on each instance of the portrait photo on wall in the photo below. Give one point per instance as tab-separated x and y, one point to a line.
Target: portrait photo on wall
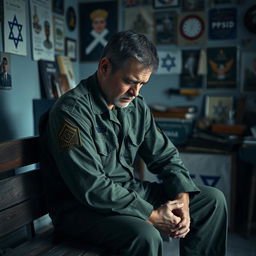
165	27
248	71
5	73
58	6
98	22
189	77
221	68
192	5
165	3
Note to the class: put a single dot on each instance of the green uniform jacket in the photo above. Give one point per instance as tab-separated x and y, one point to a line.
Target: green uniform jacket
92	149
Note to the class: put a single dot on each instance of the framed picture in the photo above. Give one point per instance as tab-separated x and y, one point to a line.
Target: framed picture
248	71
58	25
5	74
165	27
165	3
222	23
192	5
140	20
71	18
189	77
219	108
221	67
58	6
98	21
70	48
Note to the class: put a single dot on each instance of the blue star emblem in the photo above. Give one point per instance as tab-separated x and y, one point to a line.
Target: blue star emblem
168	62
17	37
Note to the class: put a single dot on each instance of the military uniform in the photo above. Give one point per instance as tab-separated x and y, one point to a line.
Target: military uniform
88	153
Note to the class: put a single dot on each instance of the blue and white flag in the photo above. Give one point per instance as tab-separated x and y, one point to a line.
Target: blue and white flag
169	62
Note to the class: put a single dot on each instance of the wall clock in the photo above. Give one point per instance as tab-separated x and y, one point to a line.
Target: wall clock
250	19
192	27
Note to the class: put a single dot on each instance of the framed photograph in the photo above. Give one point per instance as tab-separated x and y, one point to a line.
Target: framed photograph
165	3
58	6
189	77
192	5
71	18
248	71
166	27
58	25
5	74
70	48
221	68
140	20
219	108
98	22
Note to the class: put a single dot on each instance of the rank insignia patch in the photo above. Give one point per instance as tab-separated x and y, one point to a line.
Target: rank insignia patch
69	136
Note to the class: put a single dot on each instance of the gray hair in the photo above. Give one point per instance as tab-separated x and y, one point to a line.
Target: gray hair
128	44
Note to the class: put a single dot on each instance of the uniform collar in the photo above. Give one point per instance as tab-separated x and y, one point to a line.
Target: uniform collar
98	101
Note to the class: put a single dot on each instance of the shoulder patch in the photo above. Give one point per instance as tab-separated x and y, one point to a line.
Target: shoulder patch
69	136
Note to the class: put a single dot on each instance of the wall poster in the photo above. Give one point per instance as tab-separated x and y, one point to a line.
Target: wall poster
222	23
221	67
15	27
189	77
42	30
248	71
98	21
166	27
5	72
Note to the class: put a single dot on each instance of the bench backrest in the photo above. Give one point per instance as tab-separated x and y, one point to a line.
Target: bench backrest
21	195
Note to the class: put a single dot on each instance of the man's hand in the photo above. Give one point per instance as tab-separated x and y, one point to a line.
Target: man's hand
164	218
183	213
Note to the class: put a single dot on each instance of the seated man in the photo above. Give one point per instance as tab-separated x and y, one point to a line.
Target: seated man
89	143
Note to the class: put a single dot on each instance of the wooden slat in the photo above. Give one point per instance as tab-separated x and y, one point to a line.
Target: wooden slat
19	188
20	215
18	153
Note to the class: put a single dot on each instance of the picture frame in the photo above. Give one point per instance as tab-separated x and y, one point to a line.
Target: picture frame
58	6
58	26
193	5
219	109
221	67
98	22
248	71
165	27
5	72
71	18
165	3
71	48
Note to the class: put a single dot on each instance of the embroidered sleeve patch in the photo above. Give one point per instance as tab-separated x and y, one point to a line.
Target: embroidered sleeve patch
69	136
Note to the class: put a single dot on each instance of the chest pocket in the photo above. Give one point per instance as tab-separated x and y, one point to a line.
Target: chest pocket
106	148
132	146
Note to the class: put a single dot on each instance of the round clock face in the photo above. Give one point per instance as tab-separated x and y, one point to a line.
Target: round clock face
192	27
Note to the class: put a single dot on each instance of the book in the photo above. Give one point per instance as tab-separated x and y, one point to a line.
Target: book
47	72
62	81
65	67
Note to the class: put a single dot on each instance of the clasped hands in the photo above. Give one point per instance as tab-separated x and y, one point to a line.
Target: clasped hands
172	218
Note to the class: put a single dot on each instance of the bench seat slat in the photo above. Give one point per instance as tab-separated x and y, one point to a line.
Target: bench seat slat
19	188
19	153
20	215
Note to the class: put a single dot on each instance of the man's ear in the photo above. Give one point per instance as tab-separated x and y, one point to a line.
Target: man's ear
104	66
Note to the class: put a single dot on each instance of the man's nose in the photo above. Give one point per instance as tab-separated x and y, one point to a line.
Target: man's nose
135	90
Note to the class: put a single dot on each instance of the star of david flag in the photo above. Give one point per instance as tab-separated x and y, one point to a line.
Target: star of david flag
15	27
169	62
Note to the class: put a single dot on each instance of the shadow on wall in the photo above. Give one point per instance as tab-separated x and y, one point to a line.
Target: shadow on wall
6	129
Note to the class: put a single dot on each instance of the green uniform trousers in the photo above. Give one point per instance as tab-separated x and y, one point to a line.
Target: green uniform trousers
132	236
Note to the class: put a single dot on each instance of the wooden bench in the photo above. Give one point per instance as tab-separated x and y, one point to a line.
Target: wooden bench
22	202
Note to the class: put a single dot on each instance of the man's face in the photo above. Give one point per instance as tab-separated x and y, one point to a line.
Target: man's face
99	24
5	66
124	85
